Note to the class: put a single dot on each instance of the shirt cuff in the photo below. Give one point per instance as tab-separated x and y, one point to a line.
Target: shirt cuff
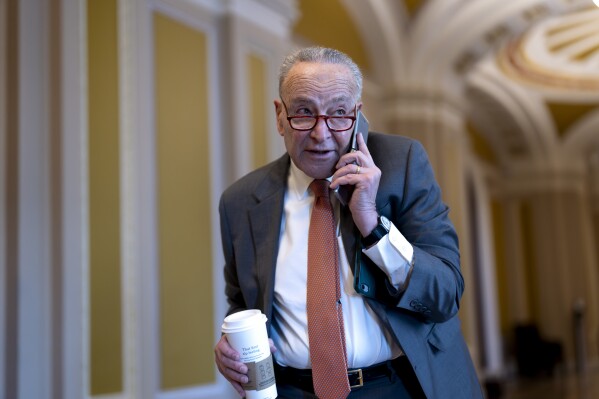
393	254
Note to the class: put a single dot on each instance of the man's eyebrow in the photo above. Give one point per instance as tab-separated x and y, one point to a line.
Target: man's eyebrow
309	101
301	100
341	99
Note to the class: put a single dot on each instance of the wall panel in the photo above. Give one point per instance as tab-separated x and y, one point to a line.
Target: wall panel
184	206
104	199
256	70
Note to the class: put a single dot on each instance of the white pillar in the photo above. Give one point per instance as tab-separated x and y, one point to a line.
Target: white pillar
34	291
488	308
74	214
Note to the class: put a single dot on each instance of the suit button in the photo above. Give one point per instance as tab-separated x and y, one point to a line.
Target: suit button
419	307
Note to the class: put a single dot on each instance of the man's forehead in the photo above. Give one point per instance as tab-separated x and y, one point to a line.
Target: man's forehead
308	81
311	71
335	99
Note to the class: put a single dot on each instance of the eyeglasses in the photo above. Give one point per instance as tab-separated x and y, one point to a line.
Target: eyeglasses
308	122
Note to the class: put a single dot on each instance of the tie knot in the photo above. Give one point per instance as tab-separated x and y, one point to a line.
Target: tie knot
320	188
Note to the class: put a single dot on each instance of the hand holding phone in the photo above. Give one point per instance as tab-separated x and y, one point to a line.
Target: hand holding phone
344	193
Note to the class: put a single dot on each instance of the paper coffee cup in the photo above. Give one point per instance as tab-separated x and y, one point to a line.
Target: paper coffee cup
246	333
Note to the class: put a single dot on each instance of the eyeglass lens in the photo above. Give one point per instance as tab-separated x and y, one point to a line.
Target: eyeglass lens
335	123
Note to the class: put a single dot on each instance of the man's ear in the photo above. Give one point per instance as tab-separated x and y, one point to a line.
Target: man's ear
359	105
279	112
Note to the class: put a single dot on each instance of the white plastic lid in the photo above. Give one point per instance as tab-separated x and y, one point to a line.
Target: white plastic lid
242	321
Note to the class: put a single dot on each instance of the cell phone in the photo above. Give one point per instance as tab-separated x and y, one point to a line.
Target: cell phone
344	192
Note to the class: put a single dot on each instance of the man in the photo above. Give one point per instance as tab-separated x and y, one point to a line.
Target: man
405	344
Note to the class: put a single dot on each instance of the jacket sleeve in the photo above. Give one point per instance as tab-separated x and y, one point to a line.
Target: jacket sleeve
435	285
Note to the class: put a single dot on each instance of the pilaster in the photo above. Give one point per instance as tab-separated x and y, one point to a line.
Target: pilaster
552	236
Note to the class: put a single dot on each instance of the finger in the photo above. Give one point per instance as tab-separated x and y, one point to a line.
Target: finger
234	373
228	364
271	343
238	388
362	145
350	160
234	365
227	358
234	376
359	158
226	349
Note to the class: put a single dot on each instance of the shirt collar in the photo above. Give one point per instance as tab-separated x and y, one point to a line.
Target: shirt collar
299	182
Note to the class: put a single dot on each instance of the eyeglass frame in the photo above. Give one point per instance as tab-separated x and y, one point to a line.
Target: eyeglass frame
325	117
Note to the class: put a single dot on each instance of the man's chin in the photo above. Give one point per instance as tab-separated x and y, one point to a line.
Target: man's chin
318	169
319	174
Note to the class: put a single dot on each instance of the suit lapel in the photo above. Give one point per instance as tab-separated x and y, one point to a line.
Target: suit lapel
349	236
265	223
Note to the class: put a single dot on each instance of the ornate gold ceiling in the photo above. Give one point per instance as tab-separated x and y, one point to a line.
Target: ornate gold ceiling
559	58
561	52
544	83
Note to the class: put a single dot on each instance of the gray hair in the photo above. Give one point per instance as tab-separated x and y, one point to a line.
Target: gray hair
321	55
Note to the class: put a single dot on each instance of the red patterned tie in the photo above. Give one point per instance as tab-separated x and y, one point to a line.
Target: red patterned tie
326	333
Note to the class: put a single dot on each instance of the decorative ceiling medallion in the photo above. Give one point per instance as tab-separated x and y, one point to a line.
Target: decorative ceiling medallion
561	52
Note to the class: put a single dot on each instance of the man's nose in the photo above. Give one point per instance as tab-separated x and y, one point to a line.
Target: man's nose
321	131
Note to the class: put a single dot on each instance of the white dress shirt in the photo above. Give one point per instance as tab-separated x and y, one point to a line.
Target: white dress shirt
368	340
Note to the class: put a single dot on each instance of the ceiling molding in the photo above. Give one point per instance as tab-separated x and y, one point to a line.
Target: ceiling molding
582	137
380	24
472	55
565	115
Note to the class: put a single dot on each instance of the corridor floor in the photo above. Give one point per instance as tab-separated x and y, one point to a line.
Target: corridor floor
562	386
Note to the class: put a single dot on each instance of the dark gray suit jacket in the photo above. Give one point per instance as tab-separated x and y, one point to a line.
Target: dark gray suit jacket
424	317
